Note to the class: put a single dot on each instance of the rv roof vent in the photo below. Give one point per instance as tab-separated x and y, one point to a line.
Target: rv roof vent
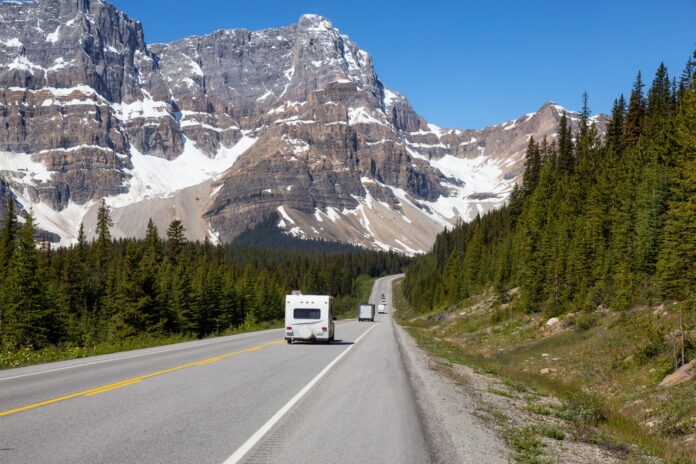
296	292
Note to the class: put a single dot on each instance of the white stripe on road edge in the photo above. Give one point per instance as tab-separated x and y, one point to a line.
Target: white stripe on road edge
244	449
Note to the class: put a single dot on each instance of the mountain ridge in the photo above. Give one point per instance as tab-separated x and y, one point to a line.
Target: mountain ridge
223	129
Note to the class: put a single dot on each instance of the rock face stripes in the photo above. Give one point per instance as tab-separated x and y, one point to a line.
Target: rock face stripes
292	120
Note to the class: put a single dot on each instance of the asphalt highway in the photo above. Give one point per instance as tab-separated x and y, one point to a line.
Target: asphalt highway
244	398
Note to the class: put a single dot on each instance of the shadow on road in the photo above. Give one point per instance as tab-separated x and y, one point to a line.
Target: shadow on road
341	342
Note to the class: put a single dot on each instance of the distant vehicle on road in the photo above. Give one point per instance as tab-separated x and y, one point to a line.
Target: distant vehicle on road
308	318
382	308
366	312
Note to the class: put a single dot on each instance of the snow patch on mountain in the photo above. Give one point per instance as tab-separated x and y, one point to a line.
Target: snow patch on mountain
478	174
23	169
64	223
158	177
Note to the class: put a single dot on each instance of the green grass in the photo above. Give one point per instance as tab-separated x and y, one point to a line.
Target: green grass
500	392
538	409
518	386
550	431
526	446
27	357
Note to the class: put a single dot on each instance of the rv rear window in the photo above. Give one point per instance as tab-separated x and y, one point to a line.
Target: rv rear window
302	313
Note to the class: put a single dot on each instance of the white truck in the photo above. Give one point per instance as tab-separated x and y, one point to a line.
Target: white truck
308	318
382	308
366	312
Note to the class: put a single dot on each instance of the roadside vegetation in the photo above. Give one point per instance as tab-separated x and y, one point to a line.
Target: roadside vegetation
592	385
106	295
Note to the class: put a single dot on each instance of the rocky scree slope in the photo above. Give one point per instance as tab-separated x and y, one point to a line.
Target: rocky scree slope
224	129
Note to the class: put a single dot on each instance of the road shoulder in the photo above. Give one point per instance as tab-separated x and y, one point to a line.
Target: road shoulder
450	414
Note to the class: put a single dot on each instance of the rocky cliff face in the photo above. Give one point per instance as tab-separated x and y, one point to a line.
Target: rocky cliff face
230	127
79	90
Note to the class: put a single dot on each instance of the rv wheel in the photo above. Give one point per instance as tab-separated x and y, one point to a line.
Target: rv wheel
289	341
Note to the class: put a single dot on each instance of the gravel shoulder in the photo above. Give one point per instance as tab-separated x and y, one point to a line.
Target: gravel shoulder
472	416
450	415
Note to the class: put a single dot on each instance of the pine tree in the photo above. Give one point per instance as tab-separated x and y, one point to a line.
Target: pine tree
104	222
153	246
516	201
532	168
565	161
81	239
175	240
25	293
8	233
659	106
687	76
651	194
103	245
636	113
615	128
585	112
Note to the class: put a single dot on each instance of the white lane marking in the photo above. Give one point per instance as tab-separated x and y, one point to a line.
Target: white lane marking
244	449
123	357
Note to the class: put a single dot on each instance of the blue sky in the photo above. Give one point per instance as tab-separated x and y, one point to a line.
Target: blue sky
471	64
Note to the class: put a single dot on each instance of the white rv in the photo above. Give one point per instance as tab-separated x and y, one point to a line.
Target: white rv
308	318
382	308
366	312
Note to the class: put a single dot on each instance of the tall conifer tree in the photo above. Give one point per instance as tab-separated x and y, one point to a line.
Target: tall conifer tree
636	112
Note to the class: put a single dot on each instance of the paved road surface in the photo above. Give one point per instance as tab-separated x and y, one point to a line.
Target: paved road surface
243	398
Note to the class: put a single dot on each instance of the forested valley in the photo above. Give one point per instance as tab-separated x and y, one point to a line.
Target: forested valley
107	291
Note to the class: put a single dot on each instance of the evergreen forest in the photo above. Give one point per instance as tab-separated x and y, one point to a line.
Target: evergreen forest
598	221
107	291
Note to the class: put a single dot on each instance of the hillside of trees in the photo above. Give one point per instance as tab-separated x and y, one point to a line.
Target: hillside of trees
597	220
109	290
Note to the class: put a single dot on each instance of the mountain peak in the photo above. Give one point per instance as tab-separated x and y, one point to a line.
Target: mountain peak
315	22
313	18
552	104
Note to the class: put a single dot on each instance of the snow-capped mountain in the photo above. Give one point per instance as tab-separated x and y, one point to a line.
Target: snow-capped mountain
224	129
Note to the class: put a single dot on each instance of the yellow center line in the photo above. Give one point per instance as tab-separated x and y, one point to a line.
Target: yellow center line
123	383
112	387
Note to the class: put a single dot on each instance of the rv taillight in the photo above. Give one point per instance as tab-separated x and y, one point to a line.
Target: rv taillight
324	329
289	328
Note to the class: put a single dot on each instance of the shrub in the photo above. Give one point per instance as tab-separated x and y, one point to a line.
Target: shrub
550	431
582	409
537	408
585	321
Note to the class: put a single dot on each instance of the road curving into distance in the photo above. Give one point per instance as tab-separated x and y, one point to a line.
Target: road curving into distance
242	398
